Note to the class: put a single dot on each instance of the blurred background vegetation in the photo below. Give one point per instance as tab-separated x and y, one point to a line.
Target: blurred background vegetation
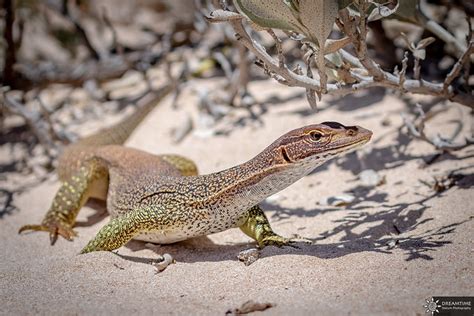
65	62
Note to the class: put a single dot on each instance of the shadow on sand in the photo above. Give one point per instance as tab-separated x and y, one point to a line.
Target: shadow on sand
382	232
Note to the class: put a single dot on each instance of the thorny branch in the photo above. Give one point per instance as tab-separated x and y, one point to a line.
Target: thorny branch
365	71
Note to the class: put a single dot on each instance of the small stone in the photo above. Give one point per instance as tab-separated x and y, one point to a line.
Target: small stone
386	122
205	126
338	200
392	243
250	307
162	265
371	178
249	256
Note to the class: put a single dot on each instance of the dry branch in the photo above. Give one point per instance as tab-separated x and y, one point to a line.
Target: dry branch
416	128
10	53
75	75
356	29
34	120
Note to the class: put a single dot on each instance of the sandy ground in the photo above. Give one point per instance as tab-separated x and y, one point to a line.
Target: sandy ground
396	245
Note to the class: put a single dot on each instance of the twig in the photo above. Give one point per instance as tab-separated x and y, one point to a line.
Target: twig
115	44
416	128
281	57
224	63
403	71
10	53
112	67
416	69
80	30
244	70
33	120
54	135
445	36
467	66
456	70
359	40
310	94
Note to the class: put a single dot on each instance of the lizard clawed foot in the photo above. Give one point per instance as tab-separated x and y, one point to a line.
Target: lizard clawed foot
298	238
278	241
55	229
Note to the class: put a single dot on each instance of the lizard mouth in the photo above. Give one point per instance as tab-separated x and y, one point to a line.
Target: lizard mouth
352	145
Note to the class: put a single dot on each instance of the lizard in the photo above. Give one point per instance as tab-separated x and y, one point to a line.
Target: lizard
162	198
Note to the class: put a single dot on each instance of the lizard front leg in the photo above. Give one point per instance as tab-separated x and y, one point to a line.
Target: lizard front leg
71	196
257	227
123	228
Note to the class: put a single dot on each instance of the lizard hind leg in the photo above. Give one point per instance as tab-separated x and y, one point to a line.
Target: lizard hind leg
69	199
257	227
186	166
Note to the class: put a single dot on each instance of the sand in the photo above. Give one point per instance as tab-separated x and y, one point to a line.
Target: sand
385	253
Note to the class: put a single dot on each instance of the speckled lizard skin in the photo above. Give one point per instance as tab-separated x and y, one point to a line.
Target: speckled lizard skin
162	199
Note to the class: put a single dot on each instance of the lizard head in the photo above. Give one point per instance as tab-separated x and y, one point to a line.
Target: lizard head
315	144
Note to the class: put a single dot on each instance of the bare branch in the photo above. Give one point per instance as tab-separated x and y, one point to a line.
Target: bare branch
456	70
368	74
467	66
33	120
416	128
359	40
416	68
115	43
281	57
445	36
53	133
82	32
403	71
310	94
10	52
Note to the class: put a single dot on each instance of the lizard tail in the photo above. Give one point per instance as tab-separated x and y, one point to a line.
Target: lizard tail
117	134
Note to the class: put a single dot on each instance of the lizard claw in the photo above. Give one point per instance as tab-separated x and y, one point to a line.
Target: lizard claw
55	229
278	241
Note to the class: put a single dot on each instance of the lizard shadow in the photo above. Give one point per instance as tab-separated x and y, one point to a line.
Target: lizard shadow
361	195
388	229
414	247
100	208
382	231
391	234
199	249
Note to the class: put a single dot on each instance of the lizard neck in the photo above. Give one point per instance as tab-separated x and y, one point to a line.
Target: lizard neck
250	183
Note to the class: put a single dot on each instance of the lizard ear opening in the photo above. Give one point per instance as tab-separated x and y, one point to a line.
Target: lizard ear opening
284	153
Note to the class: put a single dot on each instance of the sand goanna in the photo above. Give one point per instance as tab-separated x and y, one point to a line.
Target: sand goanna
162	199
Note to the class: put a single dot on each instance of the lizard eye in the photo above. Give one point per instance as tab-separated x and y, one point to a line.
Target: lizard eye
315	136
